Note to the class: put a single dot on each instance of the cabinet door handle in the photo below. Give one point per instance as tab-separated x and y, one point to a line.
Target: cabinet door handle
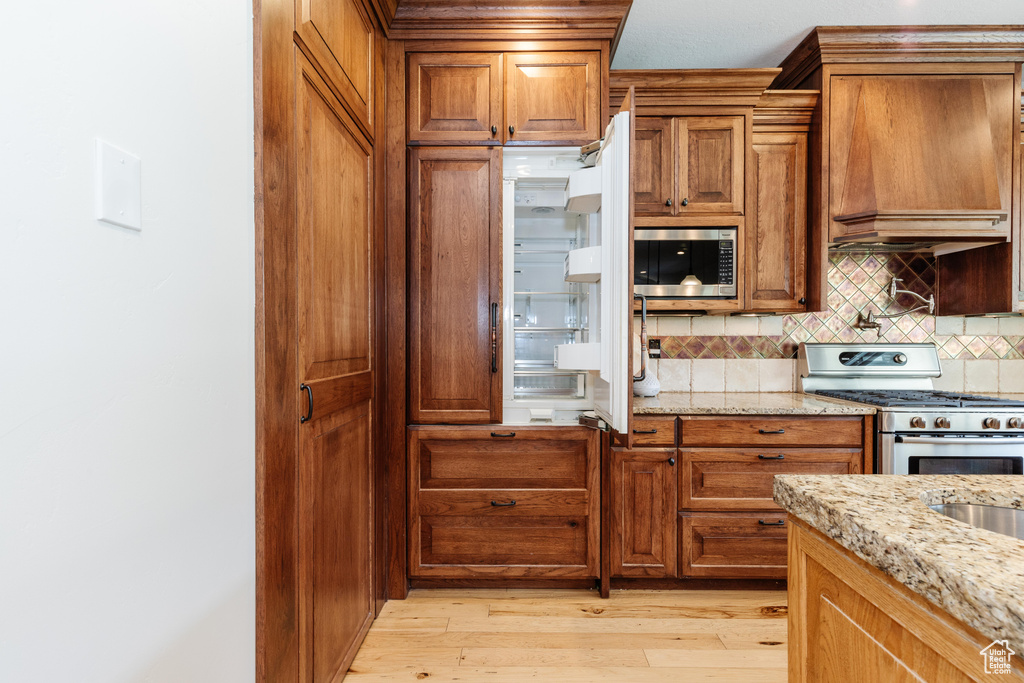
645	431
771	431
511	130
309	403
802	301
686	201
499	435
780	456
502	505
494	337
671	462
494	130
781	522
668	202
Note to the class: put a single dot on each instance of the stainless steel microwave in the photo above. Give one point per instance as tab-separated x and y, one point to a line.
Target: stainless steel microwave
685	264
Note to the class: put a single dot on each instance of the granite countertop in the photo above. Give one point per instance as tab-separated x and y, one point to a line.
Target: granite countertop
738	403
975	575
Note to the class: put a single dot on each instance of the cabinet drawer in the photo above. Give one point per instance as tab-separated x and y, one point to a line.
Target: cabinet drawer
509	502
733	545
654	431
772	431
502	545
470	458
712	479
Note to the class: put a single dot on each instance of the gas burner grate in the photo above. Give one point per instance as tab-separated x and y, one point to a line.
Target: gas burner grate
910	399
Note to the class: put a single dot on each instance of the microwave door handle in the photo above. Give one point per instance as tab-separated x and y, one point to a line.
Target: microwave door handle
954	440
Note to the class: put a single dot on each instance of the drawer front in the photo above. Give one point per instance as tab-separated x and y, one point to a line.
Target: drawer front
502	545
474	459
772	431
505	502
738	545
654	431
712	479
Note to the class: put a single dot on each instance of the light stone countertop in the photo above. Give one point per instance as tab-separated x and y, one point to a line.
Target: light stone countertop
975	575
739	403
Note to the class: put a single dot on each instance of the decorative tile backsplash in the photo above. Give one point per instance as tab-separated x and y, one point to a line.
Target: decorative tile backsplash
739	353
857	283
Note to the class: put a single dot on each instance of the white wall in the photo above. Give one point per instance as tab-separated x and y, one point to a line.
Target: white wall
126	359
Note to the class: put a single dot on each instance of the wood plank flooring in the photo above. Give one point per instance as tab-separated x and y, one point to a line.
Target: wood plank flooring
573	636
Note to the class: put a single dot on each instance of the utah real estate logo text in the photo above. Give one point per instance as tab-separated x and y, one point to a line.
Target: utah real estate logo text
997	657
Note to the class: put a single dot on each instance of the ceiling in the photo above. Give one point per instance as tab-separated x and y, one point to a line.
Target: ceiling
693	34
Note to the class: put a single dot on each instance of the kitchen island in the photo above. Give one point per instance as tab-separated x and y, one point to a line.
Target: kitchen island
910	592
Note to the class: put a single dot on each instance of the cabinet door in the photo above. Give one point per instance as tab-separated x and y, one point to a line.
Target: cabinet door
553	97
643	513
776	253
654	167
454	285
454	98
710	153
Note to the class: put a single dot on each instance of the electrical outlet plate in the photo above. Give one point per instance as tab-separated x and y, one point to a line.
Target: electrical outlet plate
118	186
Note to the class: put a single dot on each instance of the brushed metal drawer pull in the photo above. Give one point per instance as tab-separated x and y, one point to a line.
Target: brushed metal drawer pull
780	456
502	505
781	522
645	431
771	431
499	435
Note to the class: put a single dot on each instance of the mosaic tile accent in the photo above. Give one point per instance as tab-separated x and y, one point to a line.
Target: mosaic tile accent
857	284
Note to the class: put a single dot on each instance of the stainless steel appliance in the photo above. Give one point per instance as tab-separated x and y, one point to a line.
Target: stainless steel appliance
918	430
685	264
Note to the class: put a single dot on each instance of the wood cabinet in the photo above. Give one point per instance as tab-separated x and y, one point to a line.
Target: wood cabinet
454	285
884	631
689	165
503	98
729	525
499	502
643	512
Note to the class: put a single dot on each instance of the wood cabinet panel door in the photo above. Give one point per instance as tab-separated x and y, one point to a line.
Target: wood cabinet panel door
733	545
776	253
334	354
643	513
654	168
339	34
454	285
710	168
454	98
553	97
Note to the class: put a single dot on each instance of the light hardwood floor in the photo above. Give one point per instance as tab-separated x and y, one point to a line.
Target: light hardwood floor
573	636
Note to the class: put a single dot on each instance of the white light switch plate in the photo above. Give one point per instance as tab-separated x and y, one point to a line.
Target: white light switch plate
118	186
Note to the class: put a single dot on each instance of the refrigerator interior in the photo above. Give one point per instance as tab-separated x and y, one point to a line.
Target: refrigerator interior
542	309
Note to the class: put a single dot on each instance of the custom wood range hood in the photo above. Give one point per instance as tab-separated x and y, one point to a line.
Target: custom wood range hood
919	133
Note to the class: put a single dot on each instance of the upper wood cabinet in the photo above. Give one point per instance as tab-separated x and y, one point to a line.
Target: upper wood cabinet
553	97
454	97
510	98
340	36
454	285
689	165
710	153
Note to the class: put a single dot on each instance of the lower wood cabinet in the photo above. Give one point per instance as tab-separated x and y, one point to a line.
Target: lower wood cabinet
747	545
500	502
643	512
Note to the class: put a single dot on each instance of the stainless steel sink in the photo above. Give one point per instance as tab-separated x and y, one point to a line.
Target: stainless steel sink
1007	521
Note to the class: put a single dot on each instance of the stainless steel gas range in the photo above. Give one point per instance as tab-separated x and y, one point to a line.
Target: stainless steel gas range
918	430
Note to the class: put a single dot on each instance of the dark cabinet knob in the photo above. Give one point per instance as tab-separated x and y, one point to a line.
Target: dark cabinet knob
802	301
685	201
671	461
494	130
511	130
668	202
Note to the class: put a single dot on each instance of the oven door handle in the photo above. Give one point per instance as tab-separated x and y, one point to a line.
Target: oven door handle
953	440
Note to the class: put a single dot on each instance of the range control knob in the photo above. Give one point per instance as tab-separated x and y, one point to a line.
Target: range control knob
942	422
917	422
899	358
990	423
1014	423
